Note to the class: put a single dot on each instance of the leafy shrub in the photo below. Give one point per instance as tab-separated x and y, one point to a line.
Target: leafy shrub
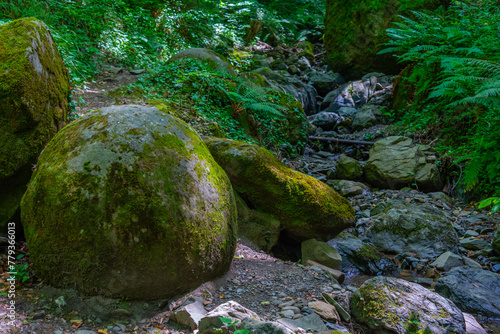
455	75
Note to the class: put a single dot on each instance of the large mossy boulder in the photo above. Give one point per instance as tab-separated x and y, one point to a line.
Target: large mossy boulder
202	54
395	162
420	229
355	32
34	95
392	305
128	202
306	207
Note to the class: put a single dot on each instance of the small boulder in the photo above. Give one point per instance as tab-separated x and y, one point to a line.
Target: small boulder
306	207
472	326
363	256
325	310
473	243
309	322
473	290
324	82
349	168
421	229
387	304
190	312
367	116
320	252
348	188
206	55
449	260
260	229
325	120
395	162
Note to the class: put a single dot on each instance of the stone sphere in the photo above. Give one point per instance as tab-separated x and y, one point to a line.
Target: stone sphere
128	202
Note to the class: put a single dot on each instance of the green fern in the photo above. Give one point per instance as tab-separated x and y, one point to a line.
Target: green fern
455	76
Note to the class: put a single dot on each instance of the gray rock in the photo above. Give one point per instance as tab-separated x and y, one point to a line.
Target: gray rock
287	314
347	111
205	54
325	120
395	163
231	310
472	326
302	92
137	71
354	95
348	188
473	290
324	82
349	168
387	304
84	331
367	116
320	252
420	229
292	69
449	260
363	256
303	64
190	312
440	196
260	327
312	321
473	243
260	229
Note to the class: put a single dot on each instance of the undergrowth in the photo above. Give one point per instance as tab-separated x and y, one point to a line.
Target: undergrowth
454	80
240	109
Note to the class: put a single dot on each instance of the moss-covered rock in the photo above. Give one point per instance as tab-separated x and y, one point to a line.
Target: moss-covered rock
320	252
420	229
34	90
349	168
128	202
391	305
260	229
395	162
363	256
205	54
355	30
306	207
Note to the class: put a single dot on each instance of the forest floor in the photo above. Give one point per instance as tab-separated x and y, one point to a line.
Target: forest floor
255	280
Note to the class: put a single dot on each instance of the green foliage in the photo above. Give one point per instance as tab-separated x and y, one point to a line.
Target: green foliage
493	201
140	33
455	79
243	111
21	270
